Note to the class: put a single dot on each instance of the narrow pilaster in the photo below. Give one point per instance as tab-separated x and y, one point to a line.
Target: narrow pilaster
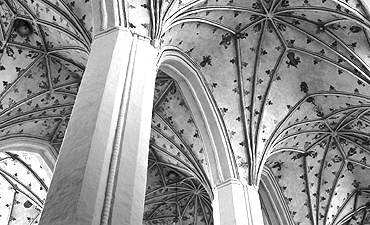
100	175
236	204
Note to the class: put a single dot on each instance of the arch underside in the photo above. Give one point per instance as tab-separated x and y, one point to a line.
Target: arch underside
176	146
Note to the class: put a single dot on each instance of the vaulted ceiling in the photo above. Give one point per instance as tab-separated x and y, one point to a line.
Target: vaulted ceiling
273	55
290	79
39	79
40	74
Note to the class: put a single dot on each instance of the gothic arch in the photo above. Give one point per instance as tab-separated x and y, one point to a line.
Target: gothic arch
26	166
43	148
176	64
272	201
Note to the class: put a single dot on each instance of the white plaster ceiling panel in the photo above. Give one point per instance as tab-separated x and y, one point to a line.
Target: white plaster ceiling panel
76	57
139	15
154	172
41	105
31	83
161	84
81	12
70	90
265	49
170	152
292	184
56	38
172	8
60	132
23	187
37	128
225	17
63	73
173	108
176	145
47	12
6	19
14	61
25	118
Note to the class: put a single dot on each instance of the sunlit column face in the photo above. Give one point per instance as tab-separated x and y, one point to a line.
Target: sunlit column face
24	181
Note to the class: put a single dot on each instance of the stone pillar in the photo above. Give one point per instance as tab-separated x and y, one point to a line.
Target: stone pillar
100	174
236	204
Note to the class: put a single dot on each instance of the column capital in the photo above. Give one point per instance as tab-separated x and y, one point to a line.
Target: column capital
228	182
102	34
236	204
234	181
109	14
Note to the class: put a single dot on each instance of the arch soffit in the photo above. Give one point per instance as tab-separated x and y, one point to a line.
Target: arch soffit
274	196
47	152
176	64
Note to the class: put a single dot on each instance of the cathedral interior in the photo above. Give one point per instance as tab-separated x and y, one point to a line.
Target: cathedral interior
290	80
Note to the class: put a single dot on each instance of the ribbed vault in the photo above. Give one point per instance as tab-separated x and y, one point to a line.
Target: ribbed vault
272	54
176	146
40	74
290	79
183	200
39	79
328	159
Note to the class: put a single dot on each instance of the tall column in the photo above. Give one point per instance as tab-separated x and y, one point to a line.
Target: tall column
236	204
100	174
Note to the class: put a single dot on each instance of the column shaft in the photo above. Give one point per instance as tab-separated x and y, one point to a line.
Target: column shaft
236	204
107	138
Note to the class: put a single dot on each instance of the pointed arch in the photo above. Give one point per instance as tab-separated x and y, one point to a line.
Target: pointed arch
43	148
181	68
275	210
